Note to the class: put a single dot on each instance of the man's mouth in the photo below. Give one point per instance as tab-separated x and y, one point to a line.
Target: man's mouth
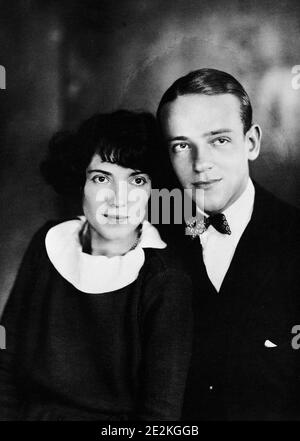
206	184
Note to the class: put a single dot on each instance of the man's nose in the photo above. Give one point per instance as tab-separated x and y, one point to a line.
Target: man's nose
202	158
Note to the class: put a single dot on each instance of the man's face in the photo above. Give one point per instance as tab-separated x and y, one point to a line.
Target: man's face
208	148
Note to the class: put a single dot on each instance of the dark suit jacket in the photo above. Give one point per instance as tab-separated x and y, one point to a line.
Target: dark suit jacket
234	375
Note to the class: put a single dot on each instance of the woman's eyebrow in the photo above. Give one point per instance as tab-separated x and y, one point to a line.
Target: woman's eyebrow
97	170
136	172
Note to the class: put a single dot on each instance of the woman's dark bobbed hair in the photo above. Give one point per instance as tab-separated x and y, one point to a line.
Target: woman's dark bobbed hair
129	139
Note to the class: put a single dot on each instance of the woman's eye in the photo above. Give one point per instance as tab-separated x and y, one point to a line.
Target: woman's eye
100	179
139	180
220	141
182	146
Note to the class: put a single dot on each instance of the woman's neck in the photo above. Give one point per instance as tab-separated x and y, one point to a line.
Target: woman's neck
111	247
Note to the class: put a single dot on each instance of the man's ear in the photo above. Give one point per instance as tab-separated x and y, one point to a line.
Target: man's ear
253	139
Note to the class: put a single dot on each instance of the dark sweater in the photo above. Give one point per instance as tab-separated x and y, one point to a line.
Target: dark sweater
77	356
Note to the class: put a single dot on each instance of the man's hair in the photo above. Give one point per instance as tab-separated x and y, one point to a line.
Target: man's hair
210	82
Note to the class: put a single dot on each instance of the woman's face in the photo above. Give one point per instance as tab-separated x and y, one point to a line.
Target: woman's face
114	198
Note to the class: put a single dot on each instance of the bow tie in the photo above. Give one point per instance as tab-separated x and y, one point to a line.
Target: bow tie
196	226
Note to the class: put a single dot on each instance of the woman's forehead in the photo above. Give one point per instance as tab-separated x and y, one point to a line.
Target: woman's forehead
110	167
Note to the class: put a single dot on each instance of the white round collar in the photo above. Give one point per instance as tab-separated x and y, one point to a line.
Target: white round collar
96	274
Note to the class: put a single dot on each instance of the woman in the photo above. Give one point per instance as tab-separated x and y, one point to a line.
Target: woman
98	324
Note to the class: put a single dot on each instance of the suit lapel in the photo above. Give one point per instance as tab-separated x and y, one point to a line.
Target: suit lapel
256	256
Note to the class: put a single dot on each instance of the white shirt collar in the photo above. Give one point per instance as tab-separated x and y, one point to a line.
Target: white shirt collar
238	215
218	249
96	274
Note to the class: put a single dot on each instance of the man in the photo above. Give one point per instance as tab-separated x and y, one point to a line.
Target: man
244	260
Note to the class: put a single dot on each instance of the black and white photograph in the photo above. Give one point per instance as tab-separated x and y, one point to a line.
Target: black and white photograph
150	213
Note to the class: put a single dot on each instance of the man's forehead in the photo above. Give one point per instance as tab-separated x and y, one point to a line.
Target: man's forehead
209	112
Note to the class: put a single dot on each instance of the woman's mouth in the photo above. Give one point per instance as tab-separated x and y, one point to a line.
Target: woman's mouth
116	218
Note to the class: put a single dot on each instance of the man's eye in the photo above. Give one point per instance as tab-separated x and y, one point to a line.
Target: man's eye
139	181
180	147
220	141
100	179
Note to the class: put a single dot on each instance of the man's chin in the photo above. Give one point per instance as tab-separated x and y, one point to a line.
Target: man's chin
210	206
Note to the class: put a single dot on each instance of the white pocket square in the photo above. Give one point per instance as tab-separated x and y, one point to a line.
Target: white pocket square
269	344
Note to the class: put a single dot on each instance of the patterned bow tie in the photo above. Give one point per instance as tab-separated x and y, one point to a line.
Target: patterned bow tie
196	226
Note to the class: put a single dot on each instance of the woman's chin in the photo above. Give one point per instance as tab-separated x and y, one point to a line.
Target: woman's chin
115	231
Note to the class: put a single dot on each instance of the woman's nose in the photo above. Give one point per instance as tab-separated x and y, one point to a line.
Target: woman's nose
120	194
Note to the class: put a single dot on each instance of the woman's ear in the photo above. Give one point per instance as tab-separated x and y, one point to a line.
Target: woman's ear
253	139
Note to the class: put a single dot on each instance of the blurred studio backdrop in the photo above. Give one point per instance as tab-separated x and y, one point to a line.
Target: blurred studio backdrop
66	59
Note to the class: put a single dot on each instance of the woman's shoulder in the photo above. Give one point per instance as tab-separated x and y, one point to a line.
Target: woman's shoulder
42	231
36	245
168	260
164	279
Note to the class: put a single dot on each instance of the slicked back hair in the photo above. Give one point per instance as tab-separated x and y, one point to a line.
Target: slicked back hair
210	82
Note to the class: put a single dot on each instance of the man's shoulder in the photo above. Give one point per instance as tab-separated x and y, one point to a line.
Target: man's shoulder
275	226
275	210
270	197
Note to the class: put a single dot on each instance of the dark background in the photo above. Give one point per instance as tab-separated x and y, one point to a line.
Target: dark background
65	60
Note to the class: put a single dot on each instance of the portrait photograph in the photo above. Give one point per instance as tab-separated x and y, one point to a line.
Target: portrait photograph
150	197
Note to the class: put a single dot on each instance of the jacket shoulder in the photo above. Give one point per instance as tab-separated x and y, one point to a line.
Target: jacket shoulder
275	209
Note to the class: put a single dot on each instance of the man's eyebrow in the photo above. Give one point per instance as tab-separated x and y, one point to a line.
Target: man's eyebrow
178	138
217	132
206	134
97	170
